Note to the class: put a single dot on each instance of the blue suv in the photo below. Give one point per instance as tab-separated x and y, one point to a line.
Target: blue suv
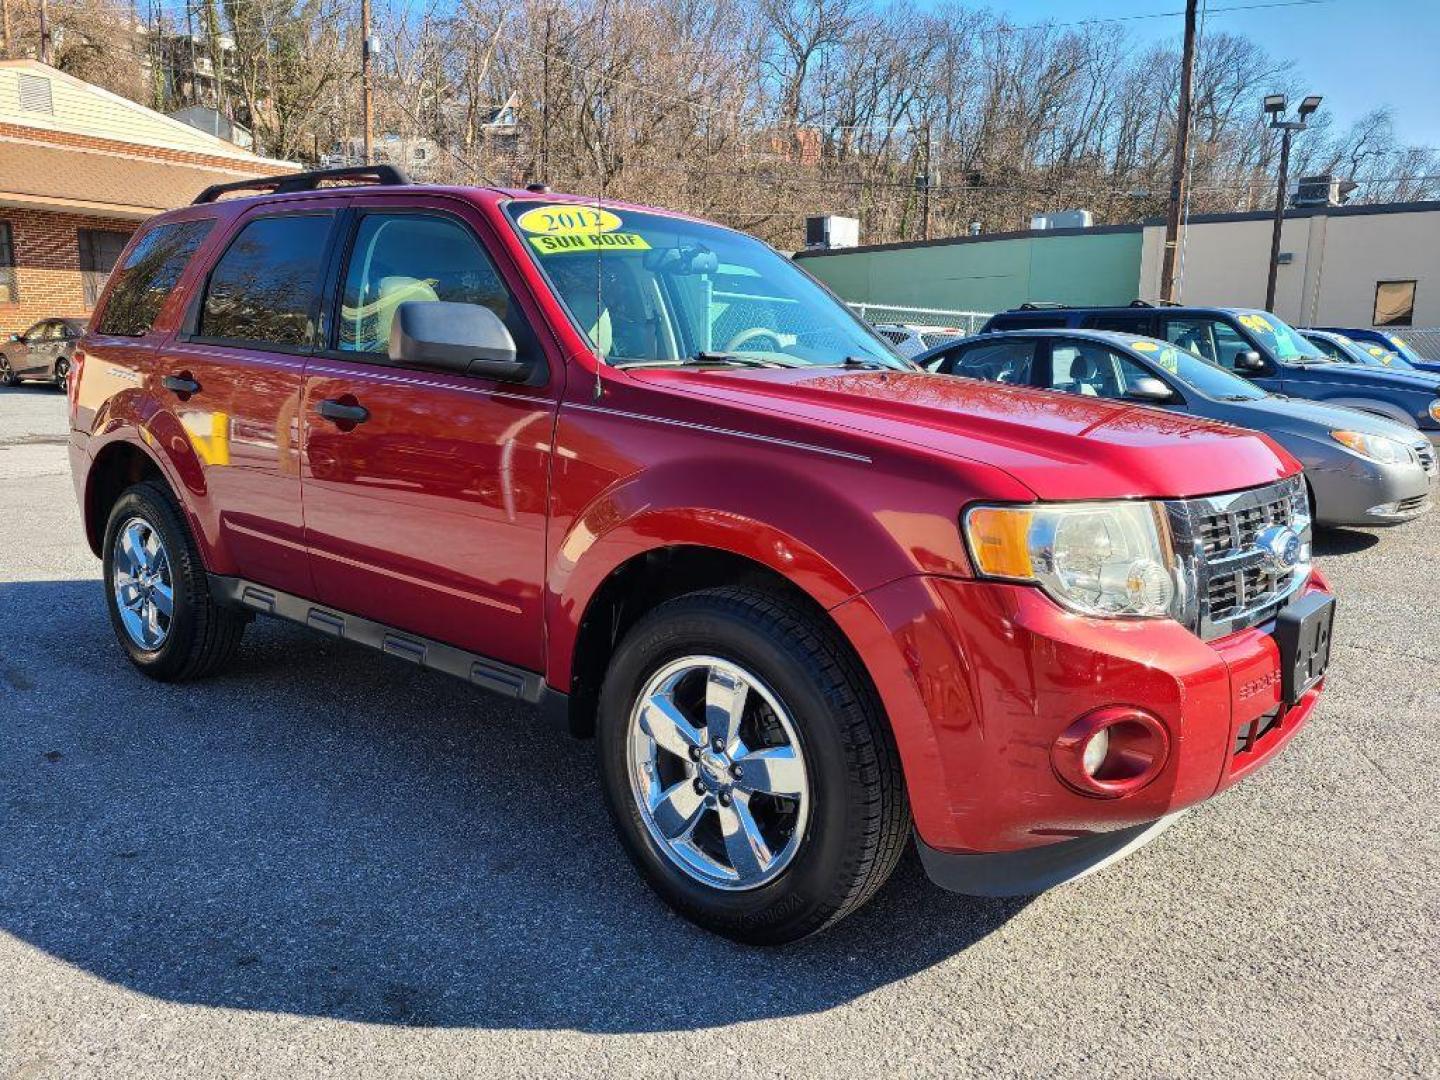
1257	345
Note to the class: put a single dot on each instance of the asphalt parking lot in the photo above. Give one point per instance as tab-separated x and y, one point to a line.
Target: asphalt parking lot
327	863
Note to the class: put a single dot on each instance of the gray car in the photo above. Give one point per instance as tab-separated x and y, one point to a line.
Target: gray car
1361	469
44	352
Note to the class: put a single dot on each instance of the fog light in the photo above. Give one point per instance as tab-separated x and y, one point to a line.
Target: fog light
1111	752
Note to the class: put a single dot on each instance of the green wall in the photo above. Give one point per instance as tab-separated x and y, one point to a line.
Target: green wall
1090	267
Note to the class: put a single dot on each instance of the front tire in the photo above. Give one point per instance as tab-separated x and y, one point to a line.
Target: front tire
7	374
62	375
164	615
748	766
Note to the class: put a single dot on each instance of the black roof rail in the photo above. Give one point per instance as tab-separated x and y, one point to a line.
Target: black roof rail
1040	305
1154	303
384	175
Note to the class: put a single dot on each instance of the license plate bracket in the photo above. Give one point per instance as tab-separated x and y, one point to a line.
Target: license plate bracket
1302	632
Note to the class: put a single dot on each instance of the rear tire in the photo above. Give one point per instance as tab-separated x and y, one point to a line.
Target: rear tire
152	564
803	685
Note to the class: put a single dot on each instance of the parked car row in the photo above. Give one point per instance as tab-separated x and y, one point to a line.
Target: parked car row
641	471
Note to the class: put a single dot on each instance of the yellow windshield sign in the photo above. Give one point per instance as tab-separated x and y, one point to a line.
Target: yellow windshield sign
568	220
1144	346
560	245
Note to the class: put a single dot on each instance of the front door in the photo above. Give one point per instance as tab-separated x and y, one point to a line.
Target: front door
1212	338
234	378
30	355
428	514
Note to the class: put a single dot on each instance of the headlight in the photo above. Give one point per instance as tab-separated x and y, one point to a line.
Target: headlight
1375	447
1103	559
1435	409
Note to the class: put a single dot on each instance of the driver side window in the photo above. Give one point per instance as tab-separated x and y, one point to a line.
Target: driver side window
1091	370
1209	339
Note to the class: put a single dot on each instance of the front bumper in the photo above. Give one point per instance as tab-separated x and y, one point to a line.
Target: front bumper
980	678
1351	490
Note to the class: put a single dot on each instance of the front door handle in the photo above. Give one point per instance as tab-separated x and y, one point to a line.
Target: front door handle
342	413
183	385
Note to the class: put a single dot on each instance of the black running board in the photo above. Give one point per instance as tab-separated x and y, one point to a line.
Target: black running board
493	675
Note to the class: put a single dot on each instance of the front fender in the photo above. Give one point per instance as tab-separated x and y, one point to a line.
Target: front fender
809	525
1375	407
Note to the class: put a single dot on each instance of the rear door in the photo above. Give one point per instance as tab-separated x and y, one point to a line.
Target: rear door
429	514
1007	360
234	377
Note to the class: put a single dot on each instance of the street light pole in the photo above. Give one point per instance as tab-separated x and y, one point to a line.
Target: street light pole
1276	105
1279	220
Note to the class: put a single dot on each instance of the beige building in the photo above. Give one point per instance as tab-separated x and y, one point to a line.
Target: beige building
1339	266
79	168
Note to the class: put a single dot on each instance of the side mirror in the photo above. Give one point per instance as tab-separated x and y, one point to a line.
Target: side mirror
1149	388
1250	360
15	337
468	339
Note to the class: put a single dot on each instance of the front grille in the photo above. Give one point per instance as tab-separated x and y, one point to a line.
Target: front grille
1426	455
1412	505
1236	579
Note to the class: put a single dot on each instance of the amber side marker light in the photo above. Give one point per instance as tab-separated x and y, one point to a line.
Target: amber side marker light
1111	752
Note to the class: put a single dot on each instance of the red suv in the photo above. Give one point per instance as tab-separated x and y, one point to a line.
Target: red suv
643	472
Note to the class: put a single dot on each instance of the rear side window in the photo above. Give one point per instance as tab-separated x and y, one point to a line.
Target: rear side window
264	288
999	361
1123	324
1026	322
148	275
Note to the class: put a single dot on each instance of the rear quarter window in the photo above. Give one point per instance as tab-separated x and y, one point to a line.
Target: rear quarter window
265	288
148	275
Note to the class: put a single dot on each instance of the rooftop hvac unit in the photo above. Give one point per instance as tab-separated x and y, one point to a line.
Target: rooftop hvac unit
1323	190
832	231
1063	219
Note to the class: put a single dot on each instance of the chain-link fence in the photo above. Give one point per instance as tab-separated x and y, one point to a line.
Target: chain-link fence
969	322
1425	340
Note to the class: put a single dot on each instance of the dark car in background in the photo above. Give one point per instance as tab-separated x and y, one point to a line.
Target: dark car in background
44	352
1257	346
1347	350
1361	469
1385	339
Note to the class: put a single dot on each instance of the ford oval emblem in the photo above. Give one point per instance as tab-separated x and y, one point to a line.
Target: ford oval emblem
1281	545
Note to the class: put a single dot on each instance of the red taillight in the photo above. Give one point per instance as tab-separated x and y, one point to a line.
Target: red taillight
1127	749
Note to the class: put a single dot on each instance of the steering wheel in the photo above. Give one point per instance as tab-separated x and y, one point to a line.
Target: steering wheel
755	333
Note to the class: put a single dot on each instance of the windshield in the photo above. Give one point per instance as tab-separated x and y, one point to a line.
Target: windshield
1403	349
1280	340
1197	373
646	288
1379	356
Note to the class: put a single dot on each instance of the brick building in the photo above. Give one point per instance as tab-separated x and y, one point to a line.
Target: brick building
79	169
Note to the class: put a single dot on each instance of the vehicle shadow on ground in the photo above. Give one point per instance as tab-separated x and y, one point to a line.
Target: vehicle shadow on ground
1331	540
325	831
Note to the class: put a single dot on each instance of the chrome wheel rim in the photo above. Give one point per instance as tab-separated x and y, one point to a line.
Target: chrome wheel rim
143	584
717	771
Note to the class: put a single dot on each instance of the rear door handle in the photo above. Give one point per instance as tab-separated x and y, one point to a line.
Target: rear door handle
341	413
180	384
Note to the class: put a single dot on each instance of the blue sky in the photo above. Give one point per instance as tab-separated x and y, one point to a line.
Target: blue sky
1358	54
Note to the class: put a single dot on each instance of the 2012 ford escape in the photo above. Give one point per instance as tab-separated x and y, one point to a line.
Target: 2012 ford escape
643	472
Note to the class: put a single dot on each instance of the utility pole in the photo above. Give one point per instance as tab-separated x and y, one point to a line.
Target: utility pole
366	95
1276	105
1179	169
45	31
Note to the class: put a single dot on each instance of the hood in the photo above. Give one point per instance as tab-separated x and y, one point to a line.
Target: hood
1365	375
1059	445
1316	419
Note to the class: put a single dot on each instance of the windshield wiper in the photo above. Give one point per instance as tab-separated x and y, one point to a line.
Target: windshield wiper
707	359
